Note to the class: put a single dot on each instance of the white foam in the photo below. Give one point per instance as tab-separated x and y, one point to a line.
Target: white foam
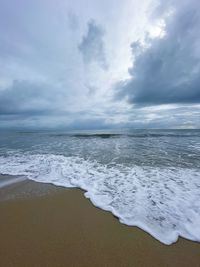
164	202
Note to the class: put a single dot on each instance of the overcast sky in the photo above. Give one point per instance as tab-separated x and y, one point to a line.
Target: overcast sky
94	64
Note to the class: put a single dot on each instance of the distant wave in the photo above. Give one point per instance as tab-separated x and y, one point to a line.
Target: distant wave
150	135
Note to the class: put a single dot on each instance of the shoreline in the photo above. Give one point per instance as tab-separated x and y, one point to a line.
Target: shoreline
55	226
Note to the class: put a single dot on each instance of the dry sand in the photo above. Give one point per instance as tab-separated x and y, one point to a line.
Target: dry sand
62	228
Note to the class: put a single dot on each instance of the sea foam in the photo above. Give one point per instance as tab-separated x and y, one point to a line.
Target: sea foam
165	202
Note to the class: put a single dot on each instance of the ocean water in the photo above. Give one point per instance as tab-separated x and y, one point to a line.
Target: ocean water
147	178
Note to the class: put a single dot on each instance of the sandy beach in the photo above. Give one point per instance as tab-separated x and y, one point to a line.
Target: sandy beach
44	225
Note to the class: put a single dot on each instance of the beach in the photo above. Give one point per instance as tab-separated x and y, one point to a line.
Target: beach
100	133
44	225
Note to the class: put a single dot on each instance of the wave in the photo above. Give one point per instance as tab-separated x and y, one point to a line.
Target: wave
135	135
164	202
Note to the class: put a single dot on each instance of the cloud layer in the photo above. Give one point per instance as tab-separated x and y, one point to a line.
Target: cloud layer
99	64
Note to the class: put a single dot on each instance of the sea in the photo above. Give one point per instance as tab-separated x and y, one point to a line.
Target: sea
146	178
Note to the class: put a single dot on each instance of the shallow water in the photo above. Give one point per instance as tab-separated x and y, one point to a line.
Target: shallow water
150	179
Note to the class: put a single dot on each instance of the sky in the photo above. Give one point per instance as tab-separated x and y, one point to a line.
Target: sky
98	64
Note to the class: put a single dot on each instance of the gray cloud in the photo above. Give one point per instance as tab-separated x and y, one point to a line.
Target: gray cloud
26	98
92	45
168	71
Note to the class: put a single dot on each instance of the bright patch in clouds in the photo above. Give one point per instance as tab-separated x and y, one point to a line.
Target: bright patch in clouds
157	30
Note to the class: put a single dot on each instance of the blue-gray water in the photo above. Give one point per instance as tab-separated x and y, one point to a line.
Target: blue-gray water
147	178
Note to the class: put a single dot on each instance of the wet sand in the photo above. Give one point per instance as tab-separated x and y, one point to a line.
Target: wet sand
60	227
